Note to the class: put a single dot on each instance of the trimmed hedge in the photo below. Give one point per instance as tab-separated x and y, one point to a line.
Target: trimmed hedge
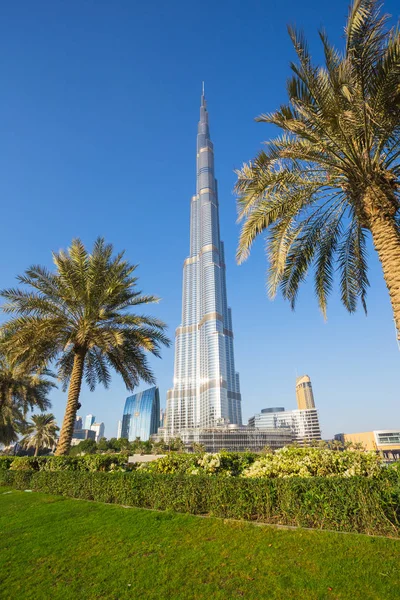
88	462
354	504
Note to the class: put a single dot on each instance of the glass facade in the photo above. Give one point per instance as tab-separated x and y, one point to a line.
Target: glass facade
387	437
89	420
235	439
206	388
141	416
304	424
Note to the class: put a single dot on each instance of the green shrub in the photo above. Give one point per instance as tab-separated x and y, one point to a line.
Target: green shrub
315	462
88	462
6	462
173	464
357	504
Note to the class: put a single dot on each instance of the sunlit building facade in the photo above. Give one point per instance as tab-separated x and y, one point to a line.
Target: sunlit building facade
99	430
304	424
384	441
206	389
304	393
141	416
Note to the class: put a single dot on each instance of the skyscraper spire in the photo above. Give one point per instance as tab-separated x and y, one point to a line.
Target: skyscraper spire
206	387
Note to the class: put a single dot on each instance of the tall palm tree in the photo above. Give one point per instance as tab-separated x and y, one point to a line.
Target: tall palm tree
78	317
332	177
41	432
21	389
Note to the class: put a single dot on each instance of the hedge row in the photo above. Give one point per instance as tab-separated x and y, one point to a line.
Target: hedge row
355	504
88	462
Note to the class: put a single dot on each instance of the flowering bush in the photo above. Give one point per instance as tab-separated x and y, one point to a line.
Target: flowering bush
315	462
208	463
172	463
220	463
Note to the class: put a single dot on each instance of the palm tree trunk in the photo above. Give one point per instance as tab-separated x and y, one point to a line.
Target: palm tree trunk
67	428
386	237
36	449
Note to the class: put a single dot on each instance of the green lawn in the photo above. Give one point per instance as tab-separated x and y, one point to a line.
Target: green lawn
53	547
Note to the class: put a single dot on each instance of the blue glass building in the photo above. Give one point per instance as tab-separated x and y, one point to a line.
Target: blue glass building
141	416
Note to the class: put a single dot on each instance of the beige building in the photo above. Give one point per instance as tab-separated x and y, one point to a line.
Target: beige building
304	393
385	441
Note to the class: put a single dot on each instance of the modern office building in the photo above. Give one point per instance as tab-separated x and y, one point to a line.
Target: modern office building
82	434
99	429
89	420
303	424
384	441
78	423
235	438
206	387
119	429
141	416
304	393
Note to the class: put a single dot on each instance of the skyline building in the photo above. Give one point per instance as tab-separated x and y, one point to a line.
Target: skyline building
303	423
89	420
99	429
304	393
206	389
141	416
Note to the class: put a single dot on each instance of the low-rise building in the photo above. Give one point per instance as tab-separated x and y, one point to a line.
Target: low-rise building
385	441
235	438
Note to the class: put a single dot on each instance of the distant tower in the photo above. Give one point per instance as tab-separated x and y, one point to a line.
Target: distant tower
99	429
206	386
119	429
89	420
304	393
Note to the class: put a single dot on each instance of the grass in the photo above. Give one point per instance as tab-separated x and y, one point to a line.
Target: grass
52	547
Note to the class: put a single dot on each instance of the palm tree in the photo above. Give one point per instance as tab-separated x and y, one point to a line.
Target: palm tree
21	389
41	432
78	317
332	177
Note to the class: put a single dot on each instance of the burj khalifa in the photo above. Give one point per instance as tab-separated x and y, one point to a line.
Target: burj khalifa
206	389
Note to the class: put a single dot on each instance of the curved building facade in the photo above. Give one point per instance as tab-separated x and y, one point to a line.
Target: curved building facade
141	416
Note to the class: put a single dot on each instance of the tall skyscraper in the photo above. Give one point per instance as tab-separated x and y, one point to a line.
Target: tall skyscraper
304	393
206	387
89	420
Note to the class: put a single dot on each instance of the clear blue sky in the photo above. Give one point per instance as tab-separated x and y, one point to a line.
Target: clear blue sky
98	110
